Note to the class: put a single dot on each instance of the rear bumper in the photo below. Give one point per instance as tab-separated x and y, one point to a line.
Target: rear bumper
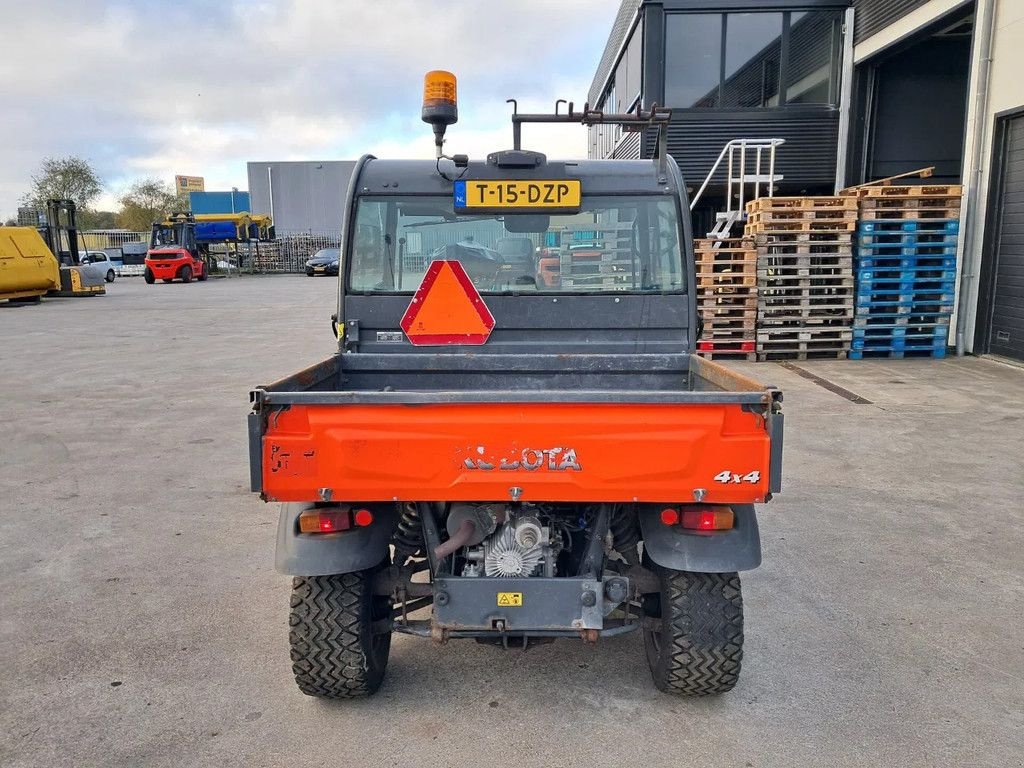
497	605
165	270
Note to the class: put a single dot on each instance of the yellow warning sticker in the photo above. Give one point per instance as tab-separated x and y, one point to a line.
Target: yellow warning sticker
510	599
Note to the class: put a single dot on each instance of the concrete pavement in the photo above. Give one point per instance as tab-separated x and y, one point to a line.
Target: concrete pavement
142	624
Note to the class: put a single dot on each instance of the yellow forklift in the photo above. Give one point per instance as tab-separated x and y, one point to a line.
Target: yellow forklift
61	236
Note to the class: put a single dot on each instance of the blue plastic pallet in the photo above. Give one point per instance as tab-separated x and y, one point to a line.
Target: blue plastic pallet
937	302
909	319
898	335
905	239
901	282
903	249
900	309
878	226
888	351
923	260
905	274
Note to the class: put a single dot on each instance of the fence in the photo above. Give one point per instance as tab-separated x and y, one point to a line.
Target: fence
289	252
99	239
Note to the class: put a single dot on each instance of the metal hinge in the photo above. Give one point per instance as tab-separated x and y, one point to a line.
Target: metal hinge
351	339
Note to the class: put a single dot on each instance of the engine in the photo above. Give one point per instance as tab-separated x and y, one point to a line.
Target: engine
507	543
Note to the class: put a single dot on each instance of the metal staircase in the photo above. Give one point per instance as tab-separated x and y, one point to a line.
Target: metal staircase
737	153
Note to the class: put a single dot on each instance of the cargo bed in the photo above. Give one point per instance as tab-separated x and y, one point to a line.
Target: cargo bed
451	427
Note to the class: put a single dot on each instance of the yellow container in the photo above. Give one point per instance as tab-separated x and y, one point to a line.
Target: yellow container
27	267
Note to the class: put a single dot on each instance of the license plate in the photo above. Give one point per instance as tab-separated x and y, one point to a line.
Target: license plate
510	599
319	269
549	195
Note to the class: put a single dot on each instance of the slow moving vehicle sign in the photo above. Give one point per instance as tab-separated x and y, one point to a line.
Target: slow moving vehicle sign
447	309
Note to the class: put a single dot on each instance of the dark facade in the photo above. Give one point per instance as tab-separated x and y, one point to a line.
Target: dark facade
909	100
875	15
728	70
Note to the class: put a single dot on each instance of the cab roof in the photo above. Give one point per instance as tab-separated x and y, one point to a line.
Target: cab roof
605	177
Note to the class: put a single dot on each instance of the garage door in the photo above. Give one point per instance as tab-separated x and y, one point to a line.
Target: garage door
1006	327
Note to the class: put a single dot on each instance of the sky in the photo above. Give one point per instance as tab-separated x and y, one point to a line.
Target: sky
149	88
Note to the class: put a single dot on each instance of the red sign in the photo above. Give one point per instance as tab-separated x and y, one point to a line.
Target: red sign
447	309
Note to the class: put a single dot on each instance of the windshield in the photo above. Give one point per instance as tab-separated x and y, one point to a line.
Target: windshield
163	236
614	244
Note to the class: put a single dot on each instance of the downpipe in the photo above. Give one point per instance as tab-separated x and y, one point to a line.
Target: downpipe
973	231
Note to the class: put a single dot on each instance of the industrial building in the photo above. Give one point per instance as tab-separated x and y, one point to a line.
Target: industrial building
859	91
303	197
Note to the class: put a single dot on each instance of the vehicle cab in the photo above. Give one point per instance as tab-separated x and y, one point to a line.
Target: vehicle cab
174	253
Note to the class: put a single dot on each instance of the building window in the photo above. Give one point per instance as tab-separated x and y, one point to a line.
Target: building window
693	59
814	45
628	73
752	60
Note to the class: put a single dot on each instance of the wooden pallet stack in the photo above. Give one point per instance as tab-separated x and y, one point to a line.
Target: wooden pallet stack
600	259
727	297
906	269
805	301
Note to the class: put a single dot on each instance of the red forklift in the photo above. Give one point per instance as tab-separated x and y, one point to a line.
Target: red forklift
174	253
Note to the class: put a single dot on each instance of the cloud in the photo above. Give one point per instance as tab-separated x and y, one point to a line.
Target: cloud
153	89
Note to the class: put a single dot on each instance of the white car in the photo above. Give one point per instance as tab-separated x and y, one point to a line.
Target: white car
101	261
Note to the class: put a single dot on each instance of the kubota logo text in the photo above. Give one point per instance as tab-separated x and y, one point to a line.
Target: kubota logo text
532	459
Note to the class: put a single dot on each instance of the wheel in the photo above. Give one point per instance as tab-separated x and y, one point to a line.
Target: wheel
309	273
340	635
148	275
201	277
185	274
697	647
110	275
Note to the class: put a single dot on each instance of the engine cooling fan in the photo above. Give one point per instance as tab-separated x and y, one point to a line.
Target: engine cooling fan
504	556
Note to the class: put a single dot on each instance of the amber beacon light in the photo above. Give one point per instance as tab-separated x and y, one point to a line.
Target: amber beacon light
440	103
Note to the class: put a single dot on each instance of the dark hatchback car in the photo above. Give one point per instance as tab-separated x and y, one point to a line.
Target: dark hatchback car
323	262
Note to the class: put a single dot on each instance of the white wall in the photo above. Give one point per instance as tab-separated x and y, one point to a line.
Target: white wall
1006	92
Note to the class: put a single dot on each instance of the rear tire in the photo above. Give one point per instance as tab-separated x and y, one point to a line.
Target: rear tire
148	275
698	648
185	274
336	651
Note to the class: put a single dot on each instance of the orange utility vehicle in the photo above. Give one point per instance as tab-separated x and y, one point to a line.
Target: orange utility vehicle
491	457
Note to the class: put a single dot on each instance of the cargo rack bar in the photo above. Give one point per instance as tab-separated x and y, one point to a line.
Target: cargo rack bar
631	122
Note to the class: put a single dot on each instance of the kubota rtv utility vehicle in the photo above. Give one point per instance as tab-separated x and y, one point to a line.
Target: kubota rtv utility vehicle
491	456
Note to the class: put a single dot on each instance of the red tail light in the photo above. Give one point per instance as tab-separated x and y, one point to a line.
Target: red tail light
363	517
708	518
321	520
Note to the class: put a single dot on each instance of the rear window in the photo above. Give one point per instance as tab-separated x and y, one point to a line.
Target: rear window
613	245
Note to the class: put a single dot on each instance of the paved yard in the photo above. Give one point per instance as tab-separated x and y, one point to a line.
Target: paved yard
142	623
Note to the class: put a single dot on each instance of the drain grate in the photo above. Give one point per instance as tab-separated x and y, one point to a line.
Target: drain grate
853	397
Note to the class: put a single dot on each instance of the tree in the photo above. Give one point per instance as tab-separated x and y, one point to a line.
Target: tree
146	201
97	220
64	178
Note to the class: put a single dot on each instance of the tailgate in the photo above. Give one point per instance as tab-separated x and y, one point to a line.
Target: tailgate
484	451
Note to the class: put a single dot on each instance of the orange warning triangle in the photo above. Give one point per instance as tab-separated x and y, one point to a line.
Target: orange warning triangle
447	309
